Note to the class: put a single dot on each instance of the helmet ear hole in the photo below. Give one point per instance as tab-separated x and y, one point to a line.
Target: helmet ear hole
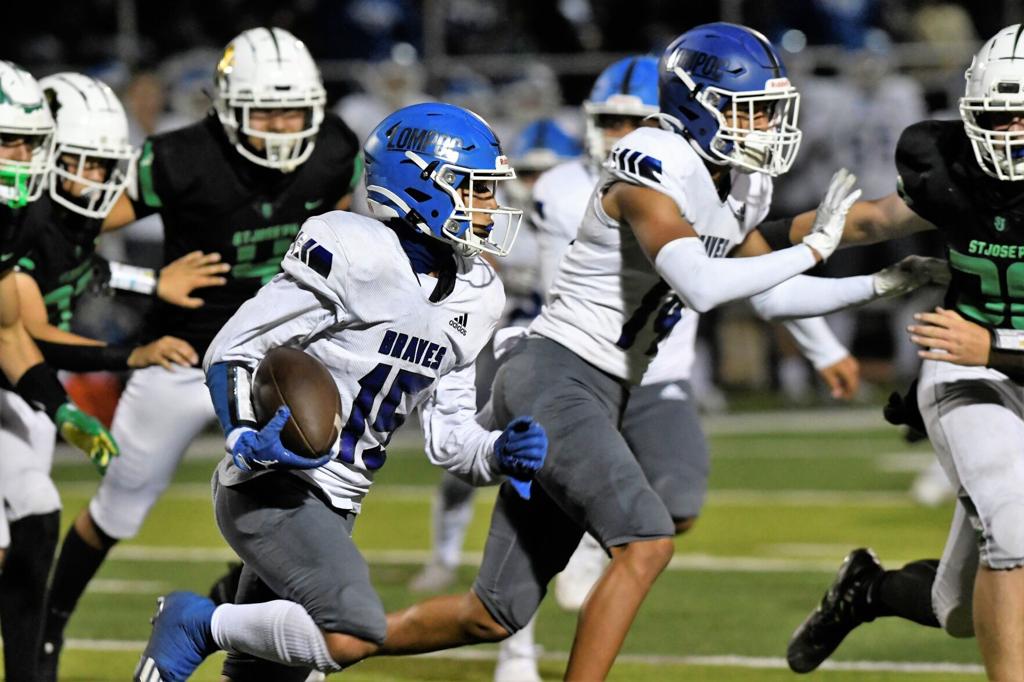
421	197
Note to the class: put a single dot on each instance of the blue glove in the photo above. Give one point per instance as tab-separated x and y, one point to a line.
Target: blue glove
251	449
521	449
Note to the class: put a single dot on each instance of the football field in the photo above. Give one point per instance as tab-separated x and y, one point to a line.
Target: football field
791	493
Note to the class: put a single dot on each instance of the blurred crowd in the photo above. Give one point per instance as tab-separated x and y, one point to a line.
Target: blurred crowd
858	94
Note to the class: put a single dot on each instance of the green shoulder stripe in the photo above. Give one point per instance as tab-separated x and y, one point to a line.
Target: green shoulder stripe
149	195
357	171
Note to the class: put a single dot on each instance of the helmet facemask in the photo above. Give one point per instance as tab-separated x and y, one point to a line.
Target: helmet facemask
97	197
478	183
1000	153
281	151
739	141
21	181
758	132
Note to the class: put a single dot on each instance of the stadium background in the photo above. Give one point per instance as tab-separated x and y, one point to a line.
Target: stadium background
796	480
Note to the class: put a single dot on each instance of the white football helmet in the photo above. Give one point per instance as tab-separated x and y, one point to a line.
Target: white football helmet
91	127
994	94
269	68
23	117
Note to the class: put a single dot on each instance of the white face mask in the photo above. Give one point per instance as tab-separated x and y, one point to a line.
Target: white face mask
22	181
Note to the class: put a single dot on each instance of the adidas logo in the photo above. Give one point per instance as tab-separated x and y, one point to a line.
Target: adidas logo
459	322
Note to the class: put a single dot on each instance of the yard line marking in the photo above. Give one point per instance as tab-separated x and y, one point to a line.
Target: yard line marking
828	420
404	557
113	586
730	496
723	661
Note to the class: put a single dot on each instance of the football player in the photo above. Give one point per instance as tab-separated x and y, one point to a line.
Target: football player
963	179
374	300
26	148
680	197
538	146
660	414
238	183
59	265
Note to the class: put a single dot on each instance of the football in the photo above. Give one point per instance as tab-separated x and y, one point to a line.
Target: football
288	376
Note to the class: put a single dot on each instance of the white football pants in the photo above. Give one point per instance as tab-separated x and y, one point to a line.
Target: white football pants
27	439
160	413
975	419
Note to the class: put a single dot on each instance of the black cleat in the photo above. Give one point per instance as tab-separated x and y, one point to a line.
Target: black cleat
823	630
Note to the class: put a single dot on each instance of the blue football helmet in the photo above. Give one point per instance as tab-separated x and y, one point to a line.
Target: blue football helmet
724	88
421	161
629	87
541	145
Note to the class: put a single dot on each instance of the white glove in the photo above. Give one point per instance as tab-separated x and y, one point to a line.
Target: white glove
831	215
909	274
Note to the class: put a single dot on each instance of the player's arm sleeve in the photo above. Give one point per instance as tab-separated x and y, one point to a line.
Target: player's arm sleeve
816	341
704	283
804	296
454	438
701	282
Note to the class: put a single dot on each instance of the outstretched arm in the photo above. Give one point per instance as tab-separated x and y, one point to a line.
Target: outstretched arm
868	222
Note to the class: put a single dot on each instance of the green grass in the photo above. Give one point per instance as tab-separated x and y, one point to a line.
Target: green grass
794	498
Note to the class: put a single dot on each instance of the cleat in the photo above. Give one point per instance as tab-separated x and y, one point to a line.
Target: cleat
435	577
823	631
180	640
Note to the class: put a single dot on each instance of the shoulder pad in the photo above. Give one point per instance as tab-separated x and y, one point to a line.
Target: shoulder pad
318	258
658	159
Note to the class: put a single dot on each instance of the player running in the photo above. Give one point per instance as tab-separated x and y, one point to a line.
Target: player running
962	178
238	183
374	300
26	150
670	204
59	265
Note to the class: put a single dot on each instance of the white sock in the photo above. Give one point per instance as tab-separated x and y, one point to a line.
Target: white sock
520	645
279	631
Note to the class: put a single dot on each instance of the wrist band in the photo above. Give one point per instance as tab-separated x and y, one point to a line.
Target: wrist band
132	278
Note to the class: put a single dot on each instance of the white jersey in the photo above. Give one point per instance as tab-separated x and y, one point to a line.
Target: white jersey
607	302
560	198
349	298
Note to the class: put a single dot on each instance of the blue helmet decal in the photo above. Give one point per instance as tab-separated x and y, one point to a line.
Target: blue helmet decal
428	163
629	87
541	145
725	88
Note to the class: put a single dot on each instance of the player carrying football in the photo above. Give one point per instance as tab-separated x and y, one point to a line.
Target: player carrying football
238	183
374	300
